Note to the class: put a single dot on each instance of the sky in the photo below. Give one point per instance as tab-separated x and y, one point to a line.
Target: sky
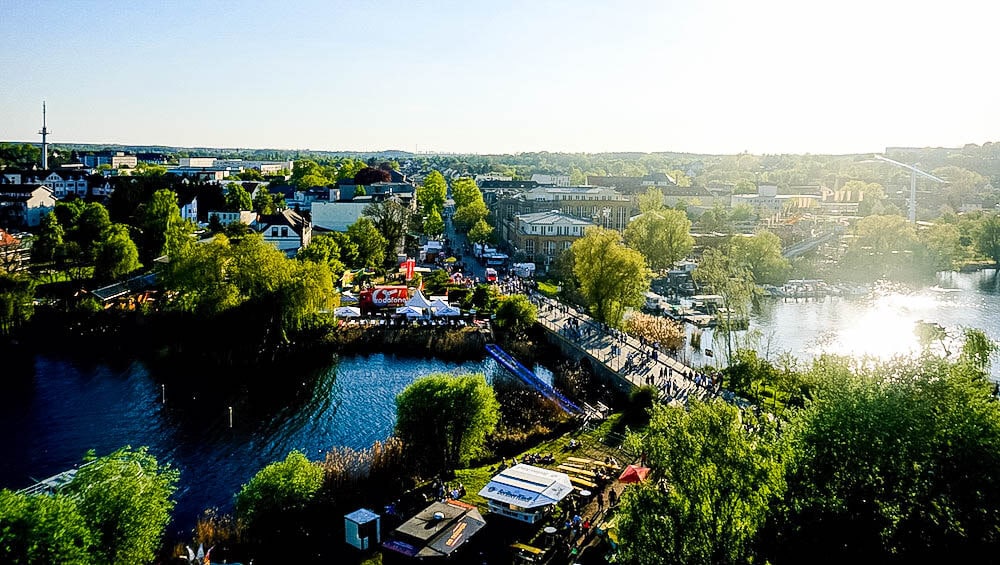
709	76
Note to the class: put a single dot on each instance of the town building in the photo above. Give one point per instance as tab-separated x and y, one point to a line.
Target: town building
541	236
551	180
63	182
633	185
23	205
437	531
225	218
287	230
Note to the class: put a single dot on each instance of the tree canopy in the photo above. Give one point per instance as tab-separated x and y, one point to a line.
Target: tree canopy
444	419
432	193
612	276
663	236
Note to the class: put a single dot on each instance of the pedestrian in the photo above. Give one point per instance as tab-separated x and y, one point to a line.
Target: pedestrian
600	501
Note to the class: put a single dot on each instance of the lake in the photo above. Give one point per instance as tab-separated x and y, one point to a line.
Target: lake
56	409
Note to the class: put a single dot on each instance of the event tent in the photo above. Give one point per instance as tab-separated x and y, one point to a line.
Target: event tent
524	491
347	312
410	311
418	300
633	474
447	311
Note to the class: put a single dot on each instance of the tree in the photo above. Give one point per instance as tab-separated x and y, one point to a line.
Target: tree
516	314
17	294
433	224
49	240
468	215
158	215
943	246
370	243
883	246
662	236
237	198
392	218
480	232
733	281
719	472
612	277
444	420
263	202
368	175
323	248
464	192
988	237
91	226
651	200
125	498
250	175
117	255
432	193
761	255
895	463
42	529
275	505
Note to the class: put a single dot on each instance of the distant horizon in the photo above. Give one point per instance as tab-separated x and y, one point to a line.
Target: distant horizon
714	77
398	150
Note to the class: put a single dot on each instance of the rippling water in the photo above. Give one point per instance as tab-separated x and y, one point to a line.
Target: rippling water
57	409
879	325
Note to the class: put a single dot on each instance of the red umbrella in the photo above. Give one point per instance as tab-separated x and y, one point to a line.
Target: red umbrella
633	474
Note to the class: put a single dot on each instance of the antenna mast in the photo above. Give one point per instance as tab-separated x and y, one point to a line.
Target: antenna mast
44	132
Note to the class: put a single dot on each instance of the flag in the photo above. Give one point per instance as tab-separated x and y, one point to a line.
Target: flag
191	556
207	560
201	551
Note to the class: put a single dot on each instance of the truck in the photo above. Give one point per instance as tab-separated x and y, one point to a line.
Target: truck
523	270
491	275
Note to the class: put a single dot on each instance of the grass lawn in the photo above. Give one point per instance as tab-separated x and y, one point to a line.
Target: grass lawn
592	446
548	289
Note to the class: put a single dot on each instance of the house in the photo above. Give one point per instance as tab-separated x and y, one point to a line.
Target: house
438	531
525	492
245	217
287	230
543	235
188	202
23	205
62	182
13	252
551	180
336	216
633	185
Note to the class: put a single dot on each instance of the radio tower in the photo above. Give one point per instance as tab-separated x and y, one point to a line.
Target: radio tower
44	132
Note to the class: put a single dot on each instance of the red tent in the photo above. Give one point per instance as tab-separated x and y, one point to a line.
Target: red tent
634	474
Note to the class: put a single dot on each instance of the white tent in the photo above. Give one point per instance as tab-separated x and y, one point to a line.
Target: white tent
438	303
418	300
447	311
411	311
348	298
347	312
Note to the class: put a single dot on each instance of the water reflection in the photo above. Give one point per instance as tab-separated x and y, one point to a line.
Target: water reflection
881	325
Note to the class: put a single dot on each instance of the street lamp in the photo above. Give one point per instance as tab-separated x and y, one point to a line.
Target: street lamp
913	182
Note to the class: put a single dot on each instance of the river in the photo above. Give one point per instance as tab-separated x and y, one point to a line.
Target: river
879	325
56	409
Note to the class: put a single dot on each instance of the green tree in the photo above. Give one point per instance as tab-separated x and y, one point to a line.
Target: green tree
516	314
117	255
91	227
432	193
49	240
275	506
444	420
323	248
17	294
761	254
41	530
433	224
125	498
370	243
159	214
392	218
719	471
895	463
464	192
237	198
480	232
612	276
263	202
250	175
882	247
942	244
651	200
732	281
988	237
663	237
470	214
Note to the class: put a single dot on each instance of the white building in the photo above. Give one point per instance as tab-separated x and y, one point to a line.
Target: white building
196	162
336	216
23	205
245	217
287	230
525	492
551	180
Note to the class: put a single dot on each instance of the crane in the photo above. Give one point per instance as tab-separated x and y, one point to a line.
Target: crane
913	182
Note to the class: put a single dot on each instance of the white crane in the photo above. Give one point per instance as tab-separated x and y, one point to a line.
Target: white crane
913	183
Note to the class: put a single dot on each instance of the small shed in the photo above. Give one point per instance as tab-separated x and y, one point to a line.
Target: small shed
437	531
525	492
362	528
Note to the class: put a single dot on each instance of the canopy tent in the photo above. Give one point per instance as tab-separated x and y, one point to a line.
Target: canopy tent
633	474
447	311
527	486
348	298
411	311
439	303
418	300
347	312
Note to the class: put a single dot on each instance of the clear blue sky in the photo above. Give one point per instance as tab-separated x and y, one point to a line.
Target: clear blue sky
717	76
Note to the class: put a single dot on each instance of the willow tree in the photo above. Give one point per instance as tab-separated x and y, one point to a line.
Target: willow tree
612	276
734	282
662	236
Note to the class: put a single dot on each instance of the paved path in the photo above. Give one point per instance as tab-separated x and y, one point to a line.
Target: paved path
621	353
